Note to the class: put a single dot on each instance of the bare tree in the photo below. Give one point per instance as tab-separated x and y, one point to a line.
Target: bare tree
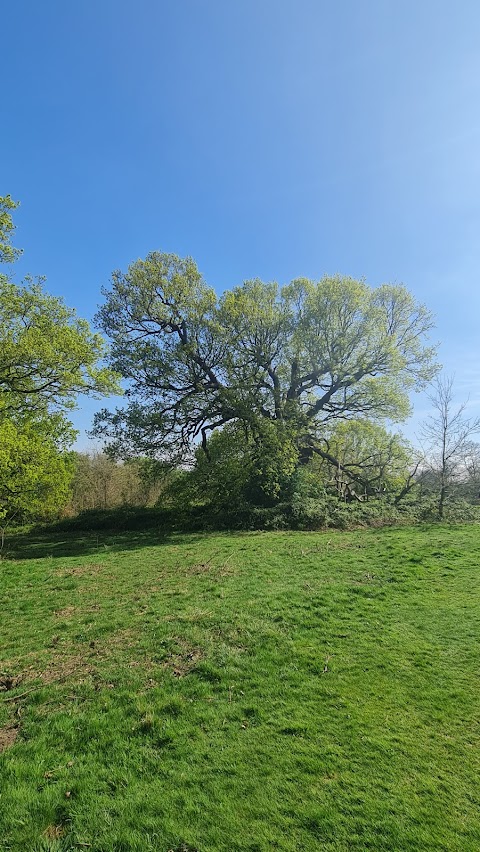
447	434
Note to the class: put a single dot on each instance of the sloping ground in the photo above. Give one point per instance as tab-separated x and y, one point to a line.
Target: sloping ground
242	693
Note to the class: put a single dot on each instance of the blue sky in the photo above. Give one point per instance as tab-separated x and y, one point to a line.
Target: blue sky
274	138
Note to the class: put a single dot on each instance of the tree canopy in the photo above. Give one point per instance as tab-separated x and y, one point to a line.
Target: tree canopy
47	357
7	227
47	354
35	467
291	359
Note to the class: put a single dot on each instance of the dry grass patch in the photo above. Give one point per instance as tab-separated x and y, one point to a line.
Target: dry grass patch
54	832
224	569
90	569
60	667
8	735
66	612
8	682
63	667
182	661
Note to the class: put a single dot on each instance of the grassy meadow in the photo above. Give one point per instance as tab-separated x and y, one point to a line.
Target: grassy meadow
241	692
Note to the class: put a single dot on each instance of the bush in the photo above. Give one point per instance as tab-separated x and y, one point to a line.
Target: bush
301	512
122	518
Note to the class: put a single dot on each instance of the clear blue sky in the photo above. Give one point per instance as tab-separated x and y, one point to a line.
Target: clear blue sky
270	138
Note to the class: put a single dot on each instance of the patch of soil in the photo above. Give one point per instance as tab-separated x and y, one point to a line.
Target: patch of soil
80	570
8	682
67	612
200	568
182	662
8	735
62	667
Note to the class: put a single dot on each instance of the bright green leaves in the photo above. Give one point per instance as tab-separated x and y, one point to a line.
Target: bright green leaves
35	469
282	364
161	292
47	354
7	252
364	347
47	357
370	454
159	316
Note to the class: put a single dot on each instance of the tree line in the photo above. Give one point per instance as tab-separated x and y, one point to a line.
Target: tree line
267	403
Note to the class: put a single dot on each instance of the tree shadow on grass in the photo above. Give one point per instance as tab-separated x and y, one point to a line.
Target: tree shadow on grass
46	544
110	530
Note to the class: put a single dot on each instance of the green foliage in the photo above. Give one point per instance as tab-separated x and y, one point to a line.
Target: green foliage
282	364
99	482
7	252
47	357
274	459
117	519
241	468
47	354
243	475
35	468
221	478
371	459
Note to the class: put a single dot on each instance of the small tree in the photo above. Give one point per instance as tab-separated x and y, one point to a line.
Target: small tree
470	489
100	482
47	357
372	462
447	434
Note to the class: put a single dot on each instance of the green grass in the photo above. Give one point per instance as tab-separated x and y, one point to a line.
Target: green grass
242	693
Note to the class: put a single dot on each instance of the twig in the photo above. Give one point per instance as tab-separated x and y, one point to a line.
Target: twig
22	694
14	698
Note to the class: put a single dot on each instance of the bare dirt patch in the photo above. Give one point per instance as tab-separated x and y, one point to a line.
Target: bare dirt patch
183	661
74	664
213	567
8	682
66	612
63	667
90	569
8	735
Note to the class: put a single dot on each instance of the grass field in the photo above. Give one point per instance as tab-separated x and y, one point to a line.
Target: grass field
242	692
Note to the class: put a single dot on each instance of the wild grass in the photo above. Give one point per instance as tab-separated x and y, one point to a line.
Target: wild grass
241	692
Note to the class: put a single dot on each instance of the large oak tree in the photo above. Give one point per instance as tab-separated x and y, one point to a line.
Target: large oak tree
291	359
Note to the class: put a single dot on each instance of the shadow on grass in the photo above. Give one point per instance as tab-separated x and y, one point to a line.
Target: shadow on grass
125	528
98	531
46	544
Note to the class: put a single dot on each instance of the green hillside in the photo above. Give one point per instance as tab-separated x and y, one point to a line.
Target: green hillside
241	693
